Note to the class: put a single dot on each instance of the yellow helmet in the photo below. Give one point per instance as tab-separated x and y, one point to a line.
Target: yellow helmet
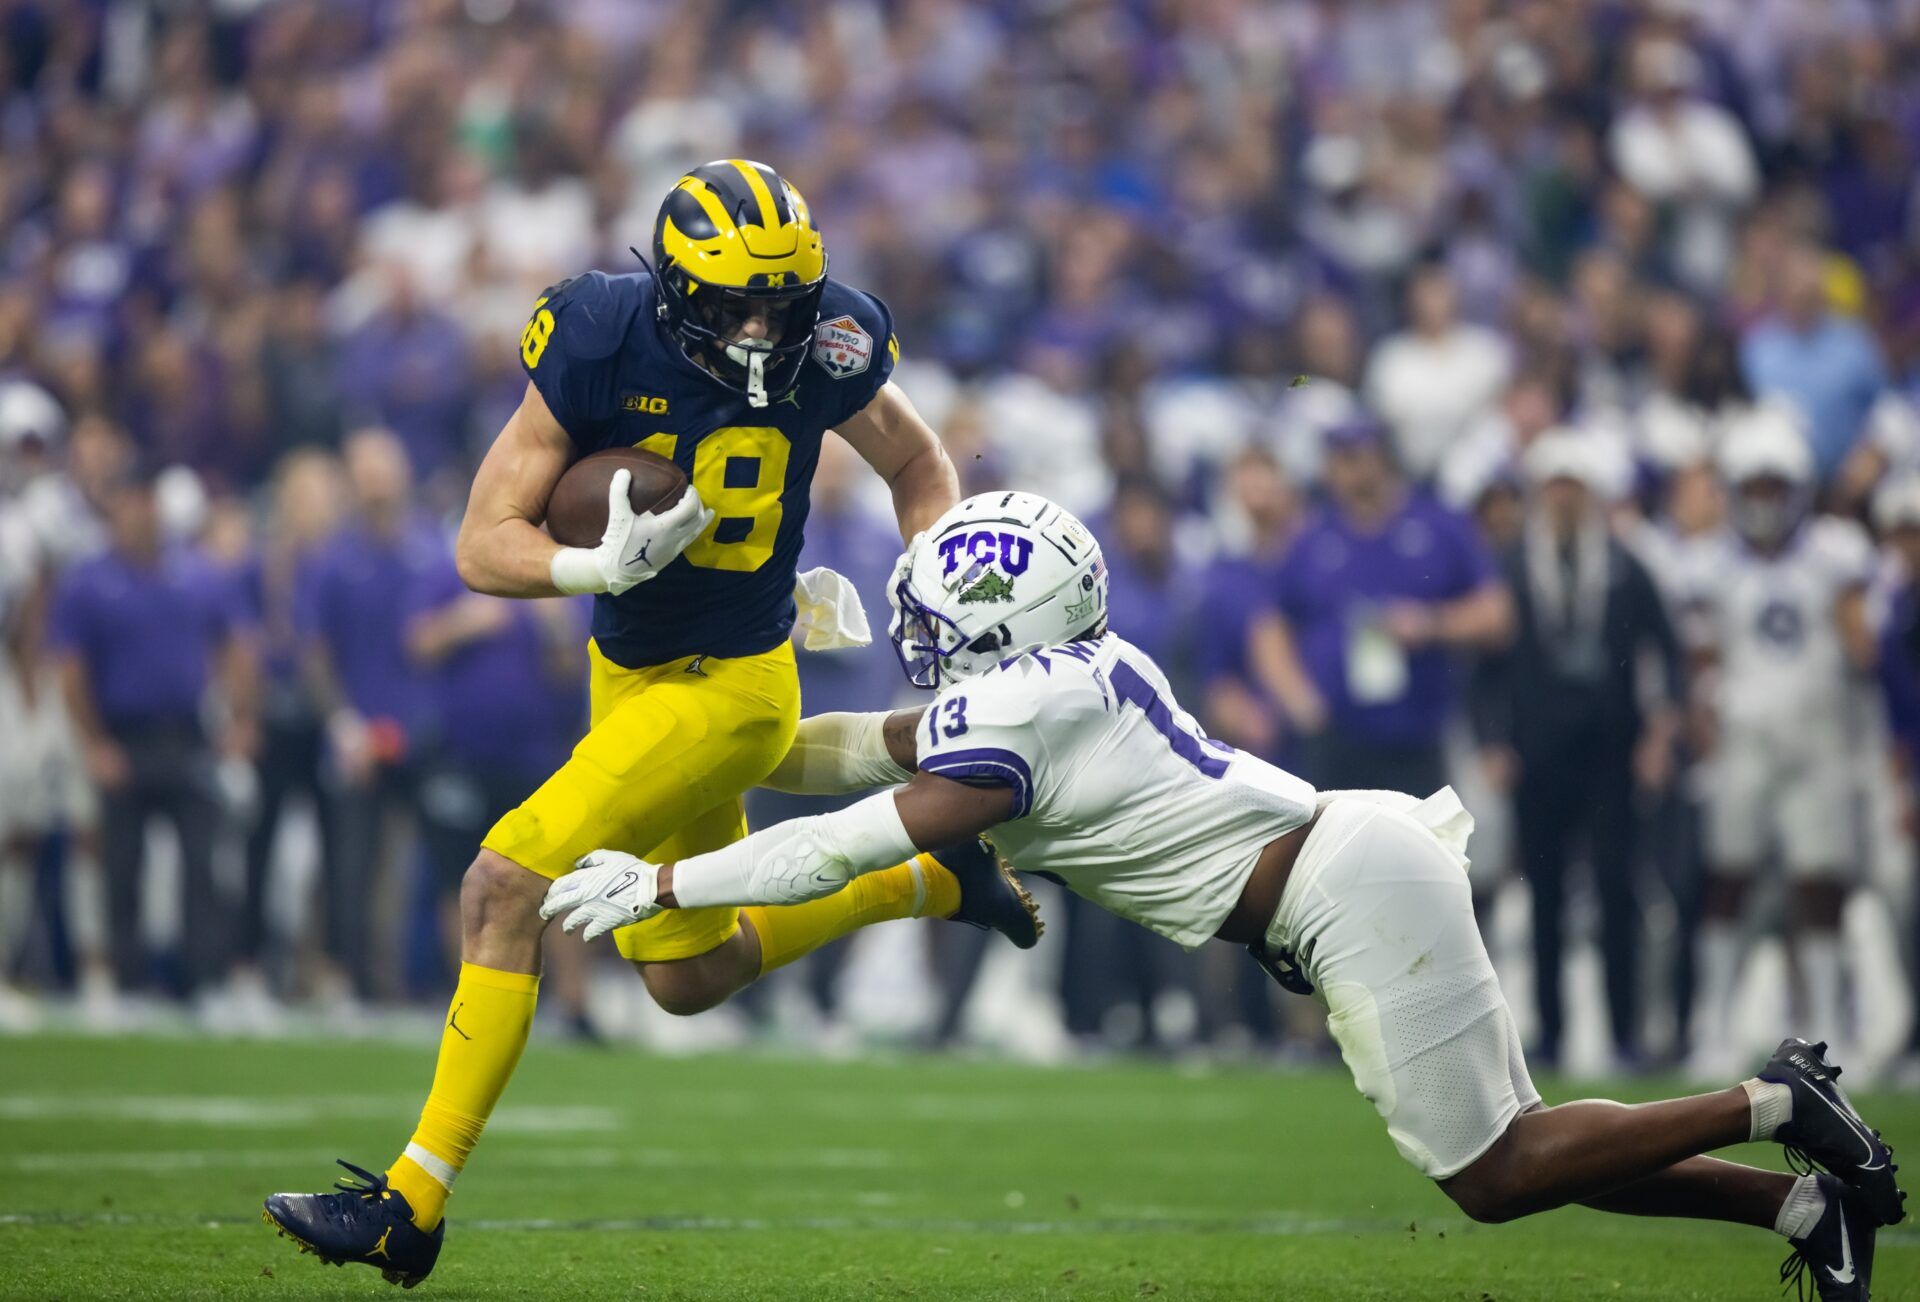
734	240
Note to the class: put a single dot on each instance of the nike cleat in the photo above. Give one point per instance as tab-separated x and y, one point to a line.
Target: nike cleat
1838	1253
991	898
1827	1132
366	1222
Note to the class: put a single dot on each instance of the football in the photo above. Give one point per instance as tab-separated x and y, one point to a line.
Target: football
577	511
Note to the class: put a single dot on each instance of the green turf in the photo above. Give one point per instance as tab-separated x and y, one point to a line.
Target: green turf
136	1169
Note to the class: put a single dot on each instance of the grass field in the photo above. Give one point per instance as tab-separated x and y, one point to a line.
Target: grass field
136	1169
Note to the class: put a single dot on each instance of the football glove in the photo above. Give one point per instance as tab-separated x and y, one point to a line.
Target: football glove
607	889
901	569
636	545
830	614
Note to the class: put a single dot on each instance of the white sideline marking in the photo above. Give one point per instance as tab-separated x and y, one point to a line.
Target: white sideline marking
161	1162
216	1110
1278	1225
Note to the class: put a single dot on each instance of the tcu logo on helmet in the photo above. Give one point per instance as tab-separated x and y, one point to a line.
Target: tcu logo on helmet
986	546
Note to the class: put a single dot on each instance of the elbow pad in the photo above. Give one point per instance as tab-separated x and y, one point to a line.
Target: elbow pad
799	860
833	754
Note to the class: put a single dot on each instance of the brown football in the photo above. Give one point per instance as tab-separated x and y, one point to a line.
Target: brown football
577	511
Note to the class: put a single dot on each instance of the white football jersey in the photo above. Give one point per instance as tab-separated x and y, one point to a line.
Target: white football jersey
1772	620
1117	791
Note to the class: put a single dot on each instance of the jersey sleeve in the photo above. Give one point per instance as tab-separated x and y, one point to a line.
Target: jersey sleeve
854	345
991	731
570	349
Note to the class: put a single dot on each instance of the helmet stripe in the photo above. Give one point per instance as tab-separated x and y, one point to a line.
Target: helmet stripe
711	203
763	193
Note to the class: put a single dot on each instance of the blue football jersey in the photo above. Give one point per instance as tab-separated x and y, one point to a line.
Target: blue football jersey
596	352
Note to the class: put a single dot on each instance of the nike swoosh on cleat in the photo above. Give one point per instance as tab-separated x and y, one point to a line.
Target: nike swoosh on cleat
1843	1275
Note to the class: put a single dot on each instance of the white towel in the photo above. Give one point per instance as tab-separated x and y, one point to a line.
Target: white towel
830	613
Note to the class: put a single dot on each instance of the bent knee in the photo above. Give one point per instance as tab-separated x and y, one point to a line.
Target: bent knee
682	989
1486	1192
495	891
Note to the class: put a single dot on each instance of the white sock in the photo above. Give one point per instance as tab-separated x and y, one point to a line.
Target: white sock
1772	1105
1819	953
1802	1210
1719	968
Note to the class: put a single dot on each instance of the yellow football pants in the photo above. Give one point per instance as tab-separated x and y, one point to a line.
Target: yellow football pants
670	751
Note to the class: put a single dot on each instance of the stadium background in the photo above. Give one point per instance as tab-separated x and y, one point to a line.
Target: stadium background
1148	258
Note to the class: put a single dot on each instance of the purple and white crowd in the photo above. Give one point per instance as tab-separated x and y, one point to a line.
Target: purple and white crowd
1523	394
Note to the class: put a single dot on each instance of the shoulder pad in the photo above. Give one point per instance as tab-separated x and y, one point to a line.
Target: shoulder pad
593	312
854	335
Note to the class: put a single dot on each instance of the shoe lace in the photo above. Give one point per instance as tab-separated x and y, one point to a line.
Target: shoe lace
368	1185
1797	1159
1793	1273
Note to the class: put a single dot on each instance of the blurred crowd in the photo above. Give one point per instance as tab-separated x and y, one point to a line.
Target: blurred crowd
1515	393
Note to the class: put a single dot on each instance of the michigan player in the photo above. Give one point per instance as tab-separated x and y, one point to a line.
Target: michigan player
1065	741
732	357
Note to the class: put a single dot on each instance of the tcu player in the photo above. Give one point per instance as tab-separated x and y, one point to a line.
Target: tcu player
1779	603
1063	740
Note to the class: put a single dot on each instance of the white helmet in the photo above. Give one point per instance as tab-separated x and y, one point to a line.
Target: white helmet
1765	443
999	574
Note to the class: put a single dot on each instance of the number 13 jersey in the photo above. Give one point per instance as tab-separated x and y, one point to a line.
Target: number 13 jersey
612	378
1117	791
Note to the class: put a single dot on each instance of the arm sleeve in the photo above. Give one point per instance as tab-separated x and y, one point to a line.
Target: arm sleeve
799	860
836	753
986	732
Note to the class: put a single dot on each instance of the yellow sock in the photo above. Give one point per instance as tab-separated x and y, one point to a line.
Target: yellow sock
919	888
487	1025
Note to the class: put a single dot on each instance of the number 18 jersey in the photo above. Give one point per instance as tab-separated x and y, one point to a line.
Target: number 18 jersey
613	378
1117	791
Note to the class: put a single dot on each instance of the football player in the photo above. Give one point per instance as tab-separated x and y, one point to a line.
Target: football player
1778	611
732	355
1062	741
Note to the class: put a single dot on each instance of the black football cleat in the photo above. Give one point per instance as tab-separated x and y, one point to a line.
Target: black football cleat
991	898
1827	1132
1838	1252
365	1222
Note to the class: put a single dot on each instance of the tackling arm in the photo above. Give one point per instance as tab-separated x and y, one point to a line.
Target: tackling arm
786	864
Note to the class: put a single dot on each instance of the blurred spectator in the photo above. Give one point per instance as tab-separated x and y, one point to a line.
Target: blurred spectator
1686	154
1265	509
1378	589
145	631
1827	364
1150	590
1572	726
1431	381
406	368
273	583
374	700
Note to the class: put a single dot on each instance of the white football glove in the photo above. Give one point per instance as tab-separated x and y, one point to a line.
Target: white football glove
635	546
901	568
830	615
606	890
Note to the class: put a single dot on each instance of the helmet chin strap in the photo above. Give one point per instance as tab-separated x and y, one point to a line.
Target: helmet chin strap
752	354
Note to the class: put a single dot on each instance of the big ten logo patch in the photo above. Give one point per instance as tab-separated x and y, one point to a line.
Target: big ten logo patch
644	403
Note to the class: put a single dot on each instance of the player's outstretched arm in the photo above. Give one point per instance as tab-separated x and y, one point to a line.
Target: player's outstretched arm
903	450
502	549
842	752
789	863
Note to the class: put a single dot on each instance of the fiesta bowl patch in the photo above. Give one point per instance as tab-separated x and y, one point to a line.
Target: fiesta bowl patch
842	347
